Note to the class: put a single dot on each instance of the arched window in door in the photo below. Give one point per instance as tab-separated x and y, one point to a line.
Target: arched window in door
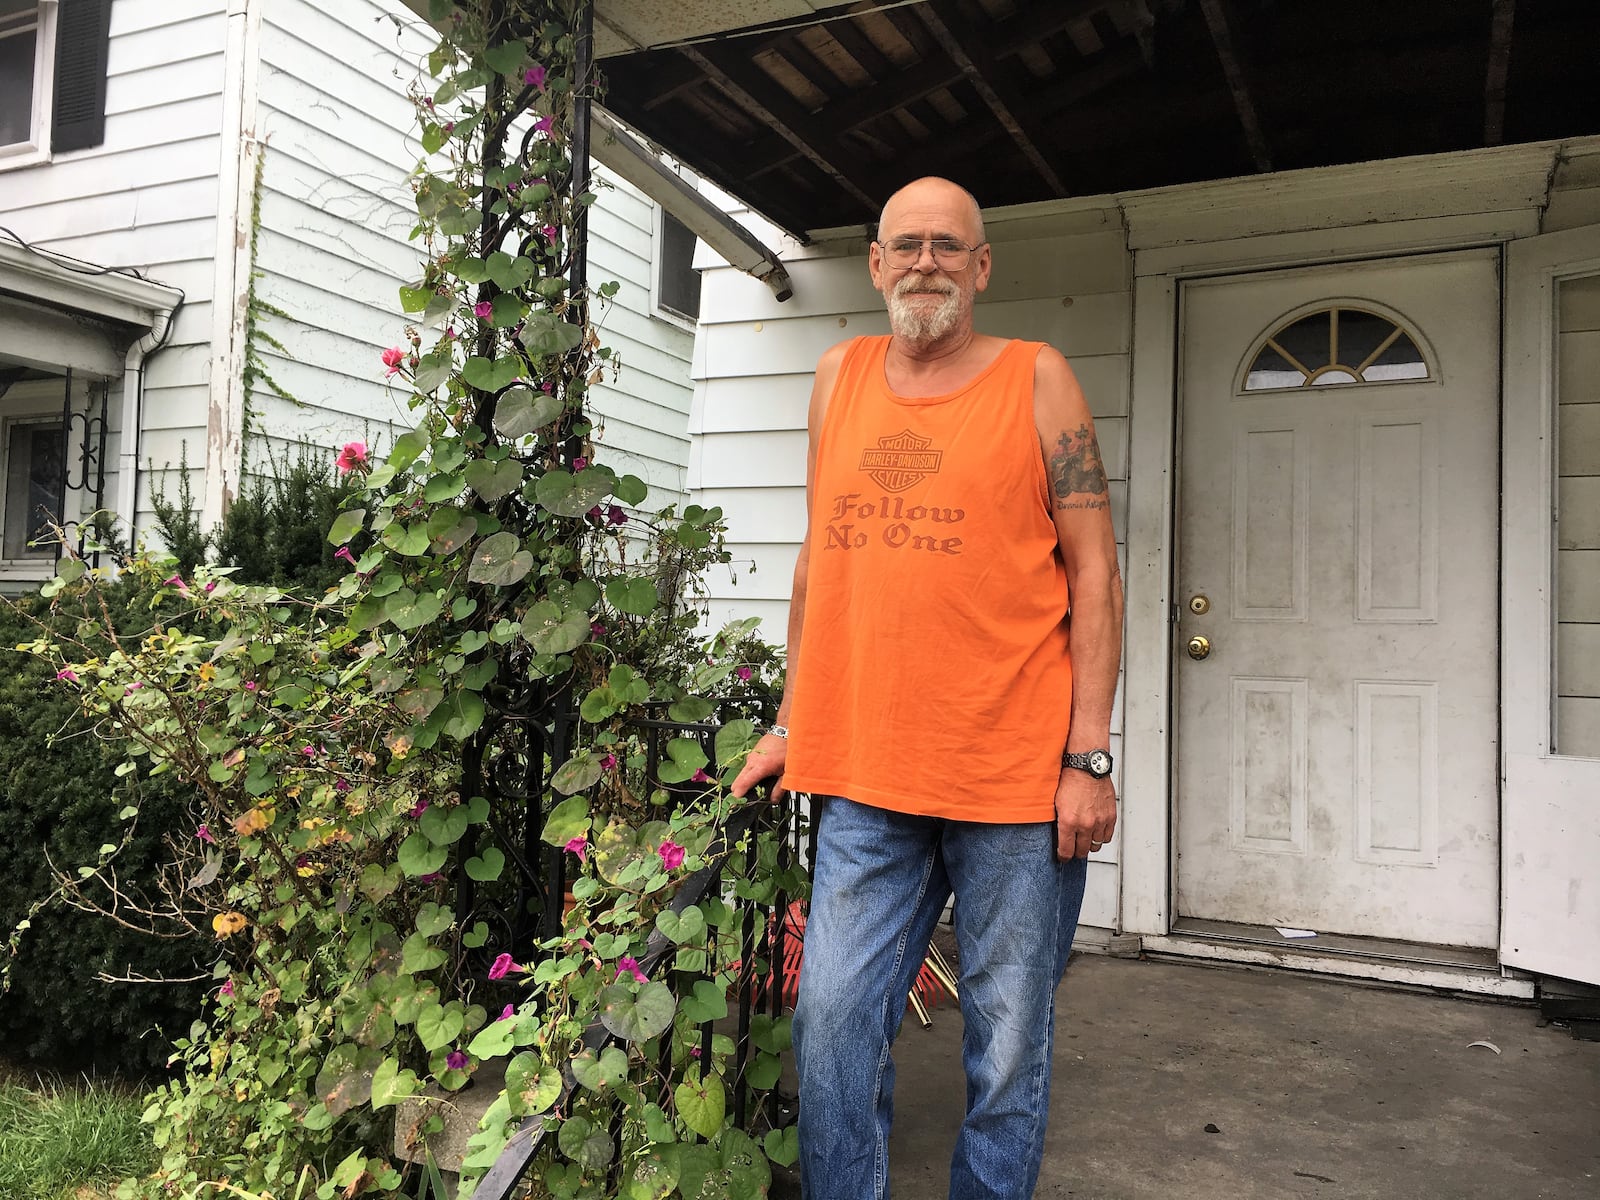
1338	344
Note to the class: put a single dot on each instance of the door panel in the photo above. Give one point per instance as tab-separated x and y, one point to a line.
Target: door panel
1336	745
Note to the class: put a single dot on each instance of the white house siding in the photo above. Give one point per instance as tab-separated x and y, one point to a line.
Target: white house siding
1578	525
333	245
146	199
1064	280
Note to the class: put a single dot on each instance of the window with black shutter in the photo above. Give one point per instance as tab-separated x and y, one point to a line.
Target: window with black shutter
19	70
83	39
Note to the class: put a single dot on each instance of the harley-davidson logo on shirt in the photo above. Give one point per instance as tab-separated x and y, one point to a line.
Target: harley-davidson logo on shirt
900	460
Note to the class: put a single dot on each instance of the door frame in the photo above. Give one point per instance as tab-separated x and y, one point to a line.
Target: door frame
1148	820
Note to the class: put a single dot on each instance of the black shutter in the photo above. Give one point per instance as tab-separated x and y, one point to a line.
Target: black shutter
83	39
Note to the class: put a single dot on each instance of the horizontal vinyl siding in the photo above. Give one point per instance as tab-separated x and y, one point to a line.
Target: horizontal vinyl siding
146	200
1578	520
334	248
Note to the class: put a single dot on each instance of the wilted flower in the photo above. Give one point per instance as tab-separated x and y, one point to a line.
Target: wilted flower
596	629
542	125
341	785
227	924
204	834
354	455
456	1060
507	1013
615	515
671	855
502	967
417	809
596	512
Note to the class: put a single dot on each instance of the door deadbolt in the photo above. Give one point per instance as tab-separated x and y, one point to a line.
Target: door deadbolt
1199	605
1199	646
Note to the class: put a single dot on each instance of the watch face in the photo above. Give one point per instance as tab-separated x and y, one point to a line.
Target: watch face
1099	763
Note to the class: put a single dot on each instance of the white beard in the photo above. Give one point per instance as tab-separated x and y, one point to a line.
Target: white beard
917	323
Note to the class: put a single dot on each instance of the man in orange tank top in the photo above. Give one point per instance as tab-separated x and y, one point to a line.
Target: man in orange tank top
954	639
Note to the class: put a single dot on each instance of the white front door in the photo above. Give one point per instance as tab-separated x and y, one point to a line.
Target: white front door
1338	503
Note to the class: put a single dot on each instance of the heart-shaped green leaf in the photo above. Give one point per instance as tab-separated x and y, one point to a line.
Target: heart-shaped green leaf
679	928
735	739
546	334
596	1071
702	1103
410	540
576	774
494	480
632	490
410	611
420	955
419	856
691	709
390	1084
553	632
491	376
486	868
521	411
531	1087
567	820
510	273
493	1040
346	525
636	596
783	1145
636	1018
451	538
443	825
589	1146
500	559
439	1025
569	495
705	1003
656	1174
433	919
417	702
506	57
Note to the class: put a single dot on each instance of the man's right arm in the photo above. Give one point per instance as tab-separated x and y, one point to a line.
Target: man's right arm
770	753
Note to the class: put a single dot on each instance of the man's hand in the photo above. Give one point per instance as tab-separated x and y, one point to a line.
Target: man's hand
1086	813
765	761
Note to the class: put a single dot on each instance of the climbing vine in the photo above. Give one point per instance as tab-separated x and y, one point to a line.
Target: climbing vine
495	567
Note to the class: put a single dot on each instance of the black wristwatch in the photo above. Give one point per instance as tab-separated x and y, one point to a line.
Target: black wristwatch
1096	762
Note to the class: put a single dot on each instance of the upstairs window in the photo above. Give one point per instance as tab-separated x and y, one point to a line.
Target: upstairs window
24	77
53	63
1338	345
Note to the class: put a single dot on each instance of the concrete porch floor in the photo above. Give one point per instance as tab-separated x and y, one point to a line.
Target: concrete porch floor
1314	1087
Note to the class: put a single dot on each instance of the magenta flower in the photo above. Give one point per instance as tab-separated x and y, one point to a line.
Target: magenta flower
507	1013
502	967
211	587
579	846
700	777
354	455
251	685
68	674
449	333
596	629
392	358
449	126
177	582
227	988
595	512
694	1051
671	855
630	966
534	77
132	688
579	463
615	516
431	877
309	751
743	673
456	1060
204	834
344	553
542	125
483	310
550	232
341	785
547	387
427	101
608	763
417	809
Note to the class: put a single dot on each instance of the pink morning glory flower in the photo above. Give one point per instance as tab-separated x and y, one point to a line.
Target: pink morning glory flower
608	763
226	989
431	877
344	553
211	587
671	855
542	125
595	512
177	582
596	629
534	76
417	809
743	673
309	751
700	777
615	515
204	834
502	967
354	455
578	846
483	310
392	358
507	1013
68	674
341	785
579	463
630	966
550	232
251	685
456	1060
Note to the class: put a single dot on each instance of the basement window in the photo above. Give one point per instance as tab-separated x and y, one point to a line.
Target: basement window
1333	346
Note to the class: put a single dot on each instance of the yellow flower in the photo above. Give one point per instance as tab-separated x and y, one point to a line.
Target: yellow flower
227	924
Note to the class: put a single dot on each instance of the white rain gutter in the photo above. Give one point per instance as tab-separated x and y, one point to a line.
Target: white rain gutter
617	149
133	416
231	282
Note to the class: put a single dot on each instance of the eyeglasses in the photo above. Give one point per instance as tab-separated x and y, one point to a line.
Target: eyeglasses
951	255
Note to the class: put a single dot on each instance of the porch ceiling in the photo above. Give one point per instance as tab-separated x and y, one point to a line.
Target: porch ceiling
814	120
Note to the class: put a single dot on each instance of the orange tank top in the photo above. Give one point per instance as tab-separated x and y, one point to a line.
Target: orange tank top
932	674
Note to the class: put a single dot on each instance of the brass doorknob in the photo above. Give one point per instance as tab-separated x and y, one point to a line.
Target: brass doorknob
1199	646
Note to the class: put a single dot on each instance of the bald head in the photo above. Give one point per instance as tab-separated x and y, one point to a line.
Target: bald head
928	198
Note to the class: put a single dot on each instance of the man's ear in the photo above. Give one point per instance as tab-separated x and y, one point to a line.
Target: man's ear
875	265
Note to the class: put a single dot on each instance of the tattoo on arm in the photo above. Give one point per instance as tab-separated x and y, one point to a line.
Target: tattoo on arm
1077	475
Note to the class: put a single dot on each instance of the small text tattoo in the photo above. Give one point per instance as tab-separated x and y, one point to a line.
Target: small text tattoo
1077	475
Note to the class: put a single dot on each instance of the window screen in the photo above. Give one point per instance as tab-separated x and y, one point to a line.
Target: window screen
678	285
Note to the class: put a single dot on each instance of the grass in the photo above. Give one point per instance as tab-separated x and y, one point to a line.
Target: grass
69	1141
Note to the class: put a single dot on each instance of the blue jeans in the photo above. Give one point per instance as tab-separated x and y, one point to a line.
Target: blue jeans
880	881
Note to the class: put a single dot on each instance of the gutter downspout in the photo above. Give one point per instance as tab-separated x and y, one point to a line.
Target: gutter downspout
132	427
231	282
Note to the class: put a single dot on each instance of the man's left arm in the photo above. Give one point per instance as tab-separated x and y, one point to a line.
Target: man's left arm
1080	499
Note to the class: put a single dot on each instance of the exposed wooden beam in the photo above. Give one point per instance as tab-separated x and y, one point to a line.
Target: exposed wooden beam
1032	25
1494	88
770	105
1249	119
949	30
